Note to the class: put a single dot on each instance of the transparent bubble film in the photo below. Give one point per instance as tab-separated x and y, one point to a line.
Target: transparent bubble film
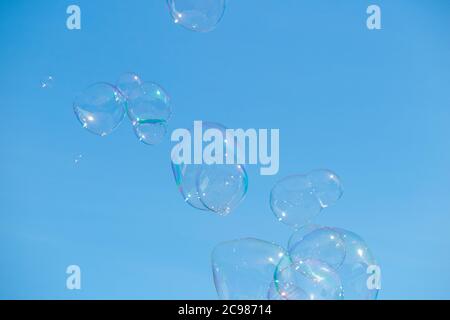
323	263
296	200
211	185
244	269
100	108
197	15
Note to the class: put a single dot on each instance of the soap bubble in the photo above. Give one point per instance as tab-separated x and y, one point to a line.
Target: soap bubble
78	159
299	234
244	269
149	101
222	189
100	108
215	187
150	132
197	15
127	83
307	280
47	82
293	201
324	244
326	186
354	269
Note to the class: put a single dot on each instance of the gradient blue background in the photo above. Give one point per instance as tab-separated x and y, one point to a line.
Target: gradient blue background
374	106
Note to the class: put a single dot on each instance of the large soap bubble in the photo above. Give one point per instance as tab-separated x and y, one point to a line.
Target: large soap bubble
100	108
307	280
216	186
327	186
293	201
357	268
324	244
197	15
244	269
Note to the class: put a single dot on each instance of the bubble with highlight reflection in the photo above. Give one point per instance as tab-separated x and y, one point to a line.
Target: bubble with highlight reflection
197	15
127	83
211	186
307	280
100	108
293	201
323	244
326	186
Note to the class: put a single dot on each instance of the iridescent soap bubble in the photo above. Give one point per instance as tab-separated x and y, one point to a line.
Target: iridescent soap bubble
307	280
323	244
214	186
149	101
244	269
100	108
294	202
197	15
150	132
127	83
355	270
327	186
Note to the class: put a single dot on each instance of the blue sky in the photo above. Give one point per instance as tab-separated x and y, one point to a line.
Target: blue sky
373	106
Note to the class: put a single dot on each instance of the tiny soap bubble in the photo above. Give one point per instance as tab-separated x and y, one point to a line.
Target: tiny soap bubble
47	82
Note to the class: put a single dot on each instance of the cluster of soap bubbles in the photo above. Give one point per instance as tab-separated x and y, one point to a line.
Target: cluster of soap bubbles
217	187
298	199
197	15
102	107
321	263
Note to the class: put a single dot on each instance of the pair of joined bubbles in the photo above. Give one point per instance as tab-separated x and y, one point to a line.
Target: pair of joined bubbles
321	263
295	200
102	107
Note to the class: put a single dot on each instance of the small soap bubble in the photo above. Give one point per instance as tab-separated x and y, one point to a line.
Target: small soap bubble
307	280
324	244
150	132
149	101
244	269
214	187
197	15
100	108
327	186
293	201
78	159
47	82
127	83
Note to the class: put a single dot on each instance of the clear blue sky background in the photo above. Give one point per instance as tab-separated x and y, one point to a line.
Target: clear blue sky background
374	106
